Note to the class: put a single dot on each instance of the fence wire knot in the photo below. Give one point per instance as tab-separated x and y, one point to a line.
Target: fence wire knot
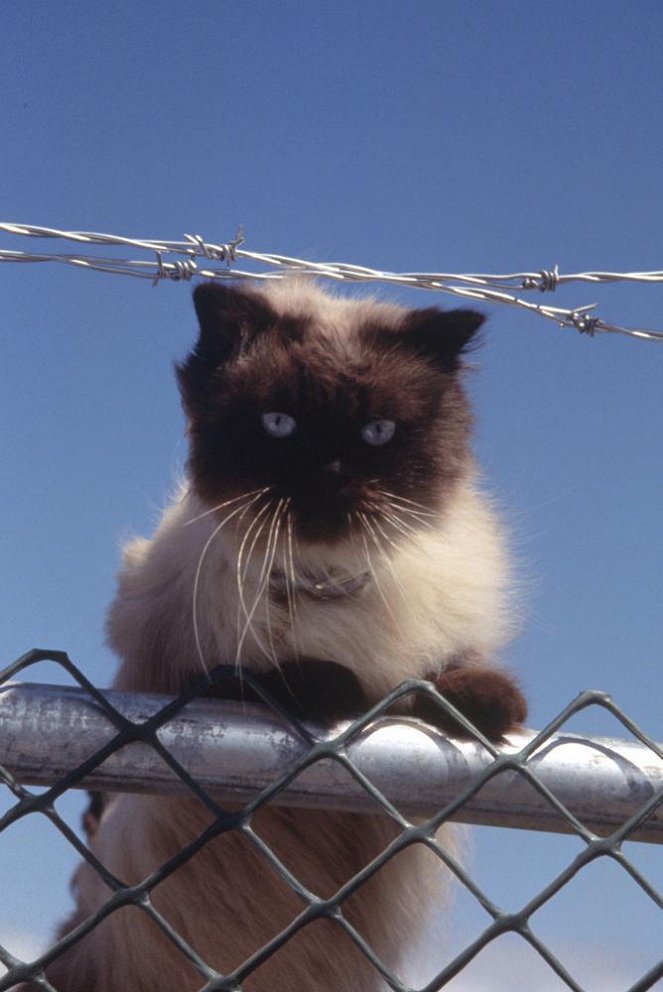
215	253
584	323
226	252
180	269
547	280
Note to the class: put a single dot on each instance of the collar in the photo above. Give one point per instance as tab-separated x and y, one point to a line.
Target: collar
325	585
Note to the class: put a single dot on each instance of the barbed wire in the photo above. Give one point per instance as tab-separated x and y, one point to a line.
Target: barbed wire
488	288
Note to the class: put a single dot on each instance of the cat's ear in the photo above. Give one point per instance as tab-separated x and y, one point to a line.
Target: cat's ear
441	335
229	317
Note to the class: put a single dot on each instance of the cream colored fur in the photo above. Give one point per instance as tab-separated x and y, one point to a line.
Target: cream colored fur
440	592
435	592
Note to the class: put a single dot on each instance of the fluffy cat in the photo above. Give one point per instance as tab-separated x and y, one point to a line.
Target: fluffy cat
331	538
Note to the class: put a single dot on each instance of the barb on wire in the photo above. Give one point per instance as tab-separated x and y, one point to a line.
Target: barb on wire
500	289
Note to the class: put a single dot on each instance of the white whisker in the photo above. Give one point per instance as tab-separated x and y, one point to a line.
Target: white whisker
256	522
291	556
387	557
384	535
227	502
367	529
242	572
400	525
424	510
262	584
199	567
289	573
405	511
274	529
281	511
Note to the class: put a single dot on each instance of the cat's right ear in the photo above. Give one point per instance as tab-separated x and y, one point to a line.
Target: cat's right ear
229	318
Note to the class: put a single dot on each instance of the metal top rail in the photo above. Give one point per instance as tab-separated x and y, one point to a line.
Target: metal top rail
235	751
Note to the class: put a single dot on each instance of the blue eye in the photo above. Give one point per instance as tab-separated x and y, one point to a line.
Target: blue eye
378	432
278	424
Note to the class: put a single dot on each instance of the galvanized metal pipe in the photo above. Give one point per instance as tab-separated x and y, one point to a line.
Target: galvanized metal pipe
233	751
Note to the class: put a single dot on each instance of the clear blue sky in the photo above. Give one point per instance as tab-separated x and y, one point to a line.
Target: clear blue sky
420	136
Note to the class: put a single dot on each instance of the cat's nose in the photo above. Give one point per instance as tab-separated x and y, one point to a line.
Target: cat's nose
334	475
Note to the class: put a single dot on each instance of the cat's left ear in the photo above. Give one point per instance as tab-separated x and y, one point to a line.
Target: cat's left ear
442	336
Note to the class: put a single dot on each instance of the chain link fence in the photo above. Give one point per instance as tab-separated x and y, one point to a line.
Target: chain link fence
236	758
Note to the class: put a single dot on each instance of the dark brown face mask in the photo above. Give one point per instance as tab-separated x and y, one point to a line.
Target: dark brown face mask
335	426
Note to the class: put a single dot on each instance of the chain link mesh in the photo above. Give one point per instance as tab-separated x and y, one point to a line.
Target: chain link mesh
316	748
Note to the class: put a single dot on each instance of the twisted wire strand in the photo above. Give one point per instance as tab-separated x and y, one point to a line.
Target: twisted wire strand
483	287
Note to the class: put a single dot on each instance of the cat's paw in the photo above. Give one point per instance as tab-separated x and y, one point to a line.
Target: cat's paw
311	689
305	689
487	697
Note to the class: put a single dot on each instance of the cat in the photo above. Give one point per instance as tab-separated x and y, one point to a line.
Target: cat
331	539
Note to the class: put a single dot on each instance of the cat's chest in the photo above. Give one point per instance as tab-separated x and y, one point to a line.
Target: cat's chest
322	611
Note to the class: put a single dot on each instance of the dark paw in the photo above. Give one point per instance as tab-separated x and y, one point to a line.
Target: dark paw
489	699
310	689
306	689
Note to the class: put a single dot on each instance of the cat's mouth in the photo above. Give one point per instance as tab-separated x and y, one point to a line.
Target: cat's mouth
322	513
322	525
